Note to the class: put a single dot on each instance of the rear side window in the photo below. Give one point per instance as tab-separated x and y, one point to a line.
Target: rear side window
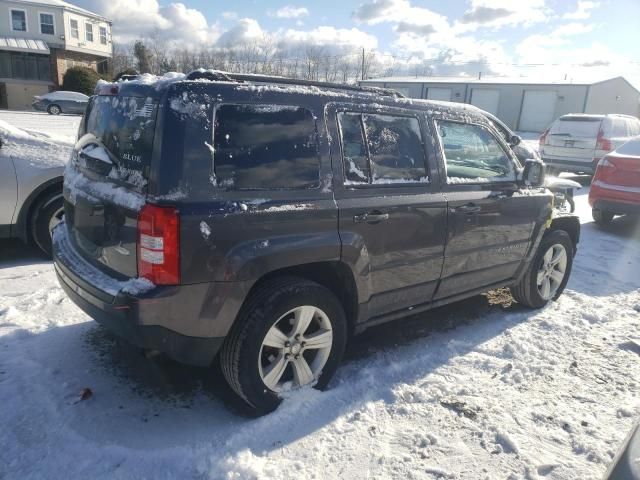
634	127
472	154
125	126
619	128
379	149
265	147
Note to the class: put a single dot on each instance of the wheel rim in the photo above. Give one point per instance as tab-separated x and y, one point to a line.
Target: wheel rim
553	267
55	218
295	349
55	110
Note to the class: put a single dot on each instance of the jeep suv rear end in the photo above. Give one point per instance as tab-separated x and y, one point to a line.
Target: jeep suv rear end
265	222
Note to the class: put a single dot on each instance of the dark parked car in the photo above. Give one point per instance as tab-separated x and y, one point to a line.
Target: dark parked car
268	221
59	102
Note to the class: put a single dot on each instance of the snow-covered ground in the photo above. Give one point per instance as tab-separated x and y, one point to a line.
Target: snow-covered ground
478	390
58	125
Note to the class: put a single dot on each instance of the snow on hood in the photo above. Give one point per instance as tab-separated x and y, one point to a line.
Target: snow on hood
37	149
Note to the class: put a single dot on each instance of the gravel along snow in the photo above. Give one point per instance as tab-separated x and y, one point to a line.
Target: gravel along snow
479	390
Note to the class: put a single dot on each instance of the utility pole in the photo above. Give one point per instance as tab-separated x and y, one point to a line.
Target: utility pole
363	64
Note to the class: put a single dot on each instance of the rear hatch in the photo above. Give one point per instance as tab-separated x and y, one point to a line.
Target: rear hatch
572	138
106	180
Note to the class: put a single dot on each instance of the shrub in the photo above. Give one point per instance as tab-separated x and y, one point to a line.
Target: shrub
80	79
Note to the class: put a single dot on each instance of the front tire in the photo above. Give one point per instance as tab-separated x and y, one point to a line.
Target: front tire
46	214
601	217
290	334
54	110
548	273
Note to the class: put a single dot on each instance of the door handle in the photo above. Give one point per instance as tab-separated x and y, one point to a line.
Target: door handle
371	217
468	209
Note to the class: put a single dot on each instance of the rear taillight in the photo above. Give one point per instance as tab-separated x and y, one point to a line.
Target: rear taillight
543	138
604	169
603	143
159	244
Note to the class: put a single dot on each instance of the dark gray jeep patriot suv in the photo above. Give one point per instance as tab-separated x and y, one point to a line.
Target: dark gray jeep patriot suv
265	220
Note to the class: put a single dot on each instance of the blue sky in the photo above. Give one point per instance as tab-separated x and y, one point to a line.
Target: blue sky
579	37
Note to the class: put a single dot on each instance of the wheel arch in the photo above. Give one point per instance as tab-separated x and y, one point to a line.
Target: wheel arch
569	224
27	208
336	276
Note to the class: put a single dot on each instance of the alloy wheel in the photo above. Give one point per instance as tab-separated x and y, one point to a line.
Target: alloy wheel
295	349
552	271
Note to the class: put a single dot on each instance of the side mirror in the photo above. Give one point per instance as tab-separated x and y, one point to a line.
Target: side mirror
533	173
515	140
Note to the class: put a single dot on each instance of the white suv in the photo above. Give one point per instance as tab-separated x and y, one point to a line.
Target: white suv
577	141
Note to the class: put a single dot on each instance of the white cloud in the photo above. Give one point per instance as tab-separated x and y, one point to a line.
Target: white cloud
133	19
230	15
400	12
540	47
289	11
583	10
341	40
244	31
499	13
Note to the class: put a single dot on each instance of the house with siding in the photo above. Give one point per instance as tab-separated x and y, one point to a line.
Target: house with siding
40	40
522	103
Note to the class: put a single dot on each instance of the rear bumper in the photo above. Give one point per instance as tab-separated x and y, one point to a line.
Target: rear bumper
577	166
616	199
156	319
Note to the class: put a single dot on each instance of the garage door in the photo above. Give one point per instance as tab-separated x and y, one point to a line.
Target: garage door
538	110
435	93
485	99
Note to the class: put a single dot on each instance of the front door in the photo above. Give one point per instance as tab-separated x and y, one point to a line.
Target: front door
392	221
490	220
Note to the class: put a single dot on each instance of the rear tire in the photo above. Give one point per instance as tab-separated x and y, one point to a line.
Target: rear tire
530	291
54	110
601	217
46	214
249	357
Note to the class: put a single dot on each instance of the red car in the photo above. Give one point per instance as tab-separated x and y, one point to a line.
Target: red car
615	189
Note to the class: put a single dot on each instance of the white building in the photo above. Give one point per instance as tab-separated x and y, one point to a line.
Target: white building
522	103
40	40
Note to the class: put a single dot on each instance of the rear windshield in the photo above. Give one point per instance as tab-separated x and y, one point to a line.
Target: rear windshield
265	147
586	127
125	126
630	148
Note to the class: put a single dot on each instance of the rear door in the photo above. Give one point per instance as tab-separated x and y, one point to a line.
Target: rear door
392	218
106	183
573	138
490	221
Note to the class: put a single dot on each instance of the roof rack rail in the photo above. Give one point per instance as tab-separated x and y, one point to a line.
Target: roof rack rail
219	76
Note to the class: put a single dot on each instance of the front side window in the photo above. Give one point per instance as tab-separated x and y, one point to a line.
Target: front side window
19	20
381	149
103	35
265	147
473	155
73	26
46	24
88	28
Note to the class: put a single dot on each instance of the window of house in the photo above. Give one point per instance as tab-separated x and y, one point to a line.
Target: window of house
27	66
19	20
265	147
46	24
88	31
381	149
103	35
473	154
73	26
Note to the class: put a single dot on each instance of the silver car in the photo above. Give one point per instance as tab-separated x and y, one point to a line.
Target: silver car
59	102
31	169
576	142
